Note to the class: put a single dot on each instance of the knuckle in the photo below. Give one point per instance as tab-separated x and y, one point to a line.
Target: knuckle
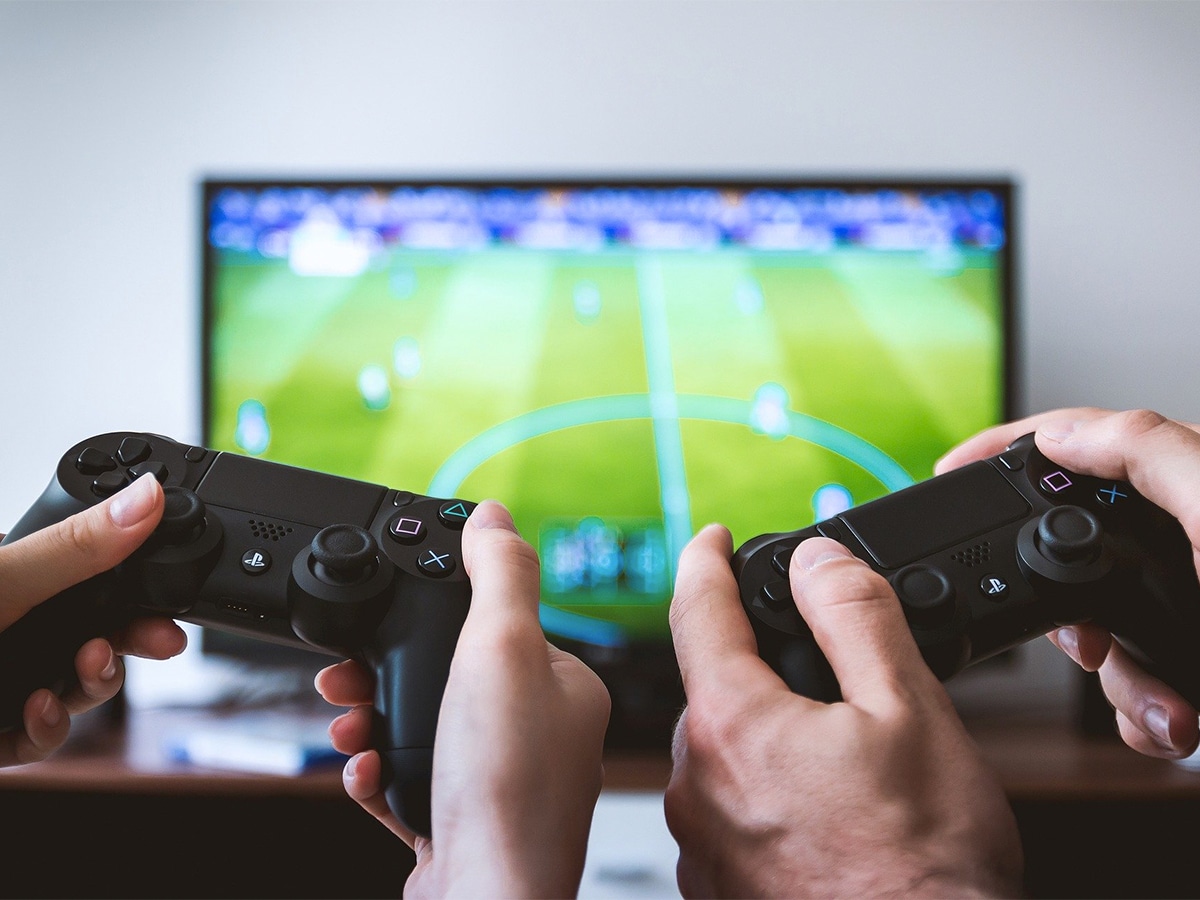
517	554
1140	422
677	613
76	536
847	582
710	726
524	556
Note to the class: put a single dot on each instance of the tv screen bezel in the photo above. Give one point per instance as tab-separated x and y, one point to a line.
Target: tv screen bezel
629	671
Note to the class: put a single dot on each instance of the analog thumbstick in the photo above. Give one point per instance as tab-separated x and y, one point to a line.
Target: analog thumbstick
183	516
344	554
926	594
1069	535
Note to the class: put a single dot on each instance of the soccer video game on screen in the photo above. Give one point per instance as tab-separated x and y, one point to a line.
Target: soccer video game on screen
618	364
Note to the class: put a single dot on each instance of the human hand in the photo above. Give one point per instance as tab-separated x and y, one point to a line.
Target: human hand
775	794
47	562
1161	459
517	761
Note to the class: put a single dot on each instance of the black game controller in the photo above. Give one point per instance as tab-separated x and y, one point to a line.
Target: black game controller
273	552
991	555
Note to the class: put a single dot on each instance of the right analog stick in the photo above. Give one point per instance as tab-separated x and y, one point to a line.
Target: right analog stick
1069	535
344	554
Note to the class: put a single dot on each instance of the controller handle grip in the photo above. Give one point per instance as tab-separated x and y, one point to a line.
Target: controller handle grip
1169	657
1163	639
799	662
38	650
410	655
52	507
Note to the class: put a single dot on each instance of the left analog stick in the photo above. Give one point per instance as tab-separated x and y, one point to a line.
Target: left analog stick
183	516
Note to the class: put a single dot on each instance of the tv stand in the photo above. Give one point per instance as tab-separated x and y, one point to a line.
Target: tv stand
1097	819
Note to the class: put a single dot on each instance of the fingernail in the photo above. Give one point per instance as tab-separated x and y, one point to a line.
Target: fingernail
1158	724
1058	431
491	514
109	672
348	771
50	714
1068	640
134	503
813	553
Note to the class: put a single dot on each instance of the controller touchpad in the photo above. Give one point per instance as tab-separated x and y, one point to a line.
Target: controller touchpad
936	514
294	495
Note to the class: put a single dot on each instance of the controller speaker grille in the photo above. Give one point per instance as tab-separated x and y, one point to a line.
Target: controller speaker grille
268	530
973	556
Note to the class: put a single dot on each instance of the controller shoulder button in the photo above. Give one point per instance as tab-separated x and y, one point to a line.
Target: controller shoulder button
830	529
1011	461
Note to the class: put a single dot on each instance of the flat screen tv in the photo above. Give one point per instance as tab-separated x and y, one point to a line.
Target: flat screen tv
619	361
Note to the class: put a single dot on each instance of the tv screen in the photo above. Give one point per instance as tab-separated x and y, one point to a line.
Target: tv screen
618	361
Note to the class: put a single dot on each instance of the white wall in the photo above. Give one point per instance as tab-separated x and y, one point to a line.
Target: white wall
110	112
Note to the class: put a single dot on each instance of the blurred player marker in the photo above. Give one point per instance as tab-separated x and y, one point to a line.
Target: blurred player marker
769	411
748	297
252	433
406	357
374	387
831	500
402	282
586	298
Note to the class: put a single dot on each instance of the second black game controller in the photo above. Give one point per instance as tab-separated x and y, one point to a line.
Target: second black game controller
274	552
991	555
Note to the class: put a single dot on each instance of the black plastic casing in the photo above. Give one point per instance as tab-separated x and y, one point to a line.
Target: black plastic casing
394	615
975	577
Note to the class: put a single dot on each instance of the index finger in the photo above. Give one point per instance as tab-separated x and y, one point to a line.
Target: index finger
1158	456
714	643
994	440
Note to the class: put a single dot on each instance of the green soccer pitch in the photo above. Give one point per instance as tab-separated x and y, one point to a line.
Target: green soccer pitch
651	392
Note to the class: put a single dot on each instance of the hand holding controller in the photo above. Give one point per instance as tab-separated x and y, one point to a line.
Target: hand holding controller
274	552
993	554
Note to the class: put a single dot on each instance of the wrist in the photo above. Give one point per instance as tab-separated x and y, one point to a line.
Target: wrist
502	862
